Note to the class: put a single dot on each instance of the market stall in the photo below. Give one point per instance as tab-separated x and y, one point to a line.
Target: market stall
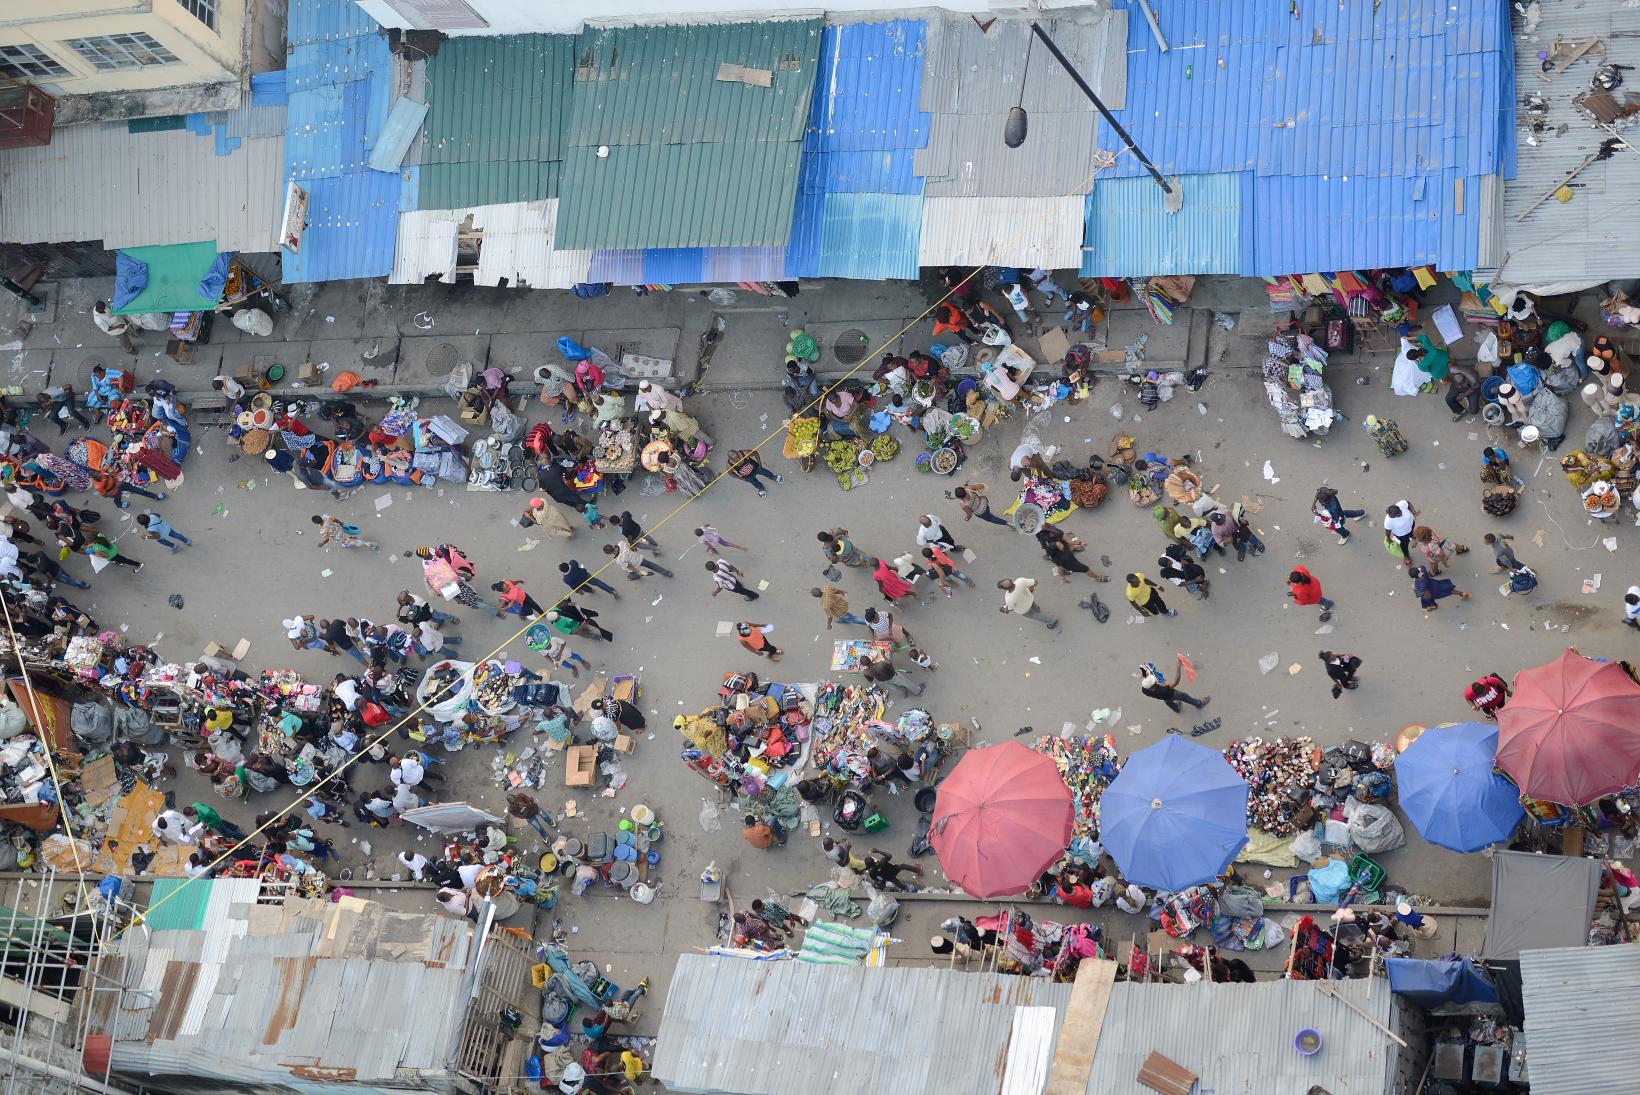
192	282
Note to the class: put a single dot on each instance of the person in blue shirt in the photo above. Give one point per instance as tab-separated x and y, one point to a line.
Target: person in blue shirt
105	387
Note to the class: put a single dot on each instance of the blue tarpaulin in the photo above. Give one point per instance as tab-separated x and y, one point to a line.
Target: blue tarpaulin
130	279
1432	982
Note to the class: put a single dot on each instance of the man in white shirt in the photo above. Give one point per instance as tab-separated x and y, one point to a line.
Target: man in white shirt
347	690
1019	599
1399	521
172	828
930	531
405	798
416	864
229	387
408	770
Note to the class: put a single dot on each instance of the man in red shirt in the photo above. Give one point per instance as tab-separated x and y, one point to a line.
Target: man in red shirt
1303	588
1488	695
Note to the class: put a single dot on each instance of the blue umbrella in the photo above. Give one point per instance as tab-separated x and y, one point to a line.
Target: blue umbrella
1175	817
1450	791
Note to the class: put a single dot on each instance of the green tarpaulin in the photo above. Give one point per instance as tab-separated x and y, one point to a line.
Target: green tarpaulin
174	274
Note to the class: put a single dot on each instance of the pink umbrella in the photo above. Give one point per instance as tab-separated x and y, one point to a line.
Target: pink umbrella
1001	818
1571	731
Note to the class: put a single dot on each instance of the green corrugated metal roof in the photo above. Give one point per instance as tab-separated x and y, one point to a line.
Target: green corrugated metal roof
694	161
689	195
496	109
178	904
659	85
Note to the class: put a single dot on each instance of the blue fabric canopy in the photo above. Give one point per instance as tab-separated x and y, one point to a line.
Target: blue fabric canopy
1430	983
1450	791
1176	815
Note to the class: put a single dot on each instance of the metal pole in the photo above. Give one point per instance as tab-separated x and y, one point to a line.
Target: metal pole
1064	63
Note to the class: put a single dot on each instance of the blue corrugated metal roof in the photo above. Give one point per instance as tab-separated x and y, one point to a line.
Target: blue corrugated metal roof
620	267
340	95
867	87
1129	234
268	88
1350	103
869	237
352	228
308	21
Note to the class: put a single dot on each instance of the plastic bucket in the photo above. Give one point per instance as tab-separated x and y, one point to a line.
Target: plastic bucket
642	893
652	857
642	815
624	837
625	826
656	834
1307	1042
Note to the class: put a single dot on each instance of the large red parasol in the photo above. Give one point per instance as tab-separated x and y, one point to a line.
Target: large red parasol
1000	819
1571	731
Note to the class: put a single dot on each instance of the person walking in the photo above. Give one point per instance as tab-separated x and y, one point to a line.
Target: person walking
834	602
1060	550
1019	599
522	805
839	548
943	568
57	403
709	538
886	629
1503	553
155	527
1399	521
881	671
337	640
1146	597
727	576
560	656
1431	589
976	503
1245	539
343	535
931	531
512	599
1341	669
1303	588
1176	565
1154	685
754	638
1631	608
634	534
101	547
414	609
578	577
890	584
568	618
744	465
630	559
1330	513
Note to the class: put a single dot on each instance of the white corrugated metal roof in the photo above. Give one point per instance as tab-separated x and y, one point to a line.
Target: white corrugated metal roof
1239	1037
518	246
101	182
1027	232
1581	1004
1594	236
796	1028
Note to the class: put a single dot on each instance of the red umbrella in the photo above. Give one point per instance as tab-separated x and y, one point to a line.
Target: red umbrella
1571	731
1000	819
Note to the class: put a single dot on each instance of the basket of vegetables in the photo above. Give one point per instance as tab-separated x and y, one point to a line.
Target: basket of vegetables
802	438
884	447
841	456
965	428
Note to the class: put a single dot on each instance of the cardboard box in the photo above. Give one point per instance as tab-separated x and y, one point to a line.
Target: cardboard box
1054	344
215	650
1112	357
241	649
623	743
307	370
580	766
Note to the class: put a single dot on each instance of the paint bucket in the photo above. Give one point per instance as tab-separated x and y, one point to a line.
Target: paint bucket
642	815
656	834
626	825
653	858
622	874
549	863
642	893
1307	1042
624	837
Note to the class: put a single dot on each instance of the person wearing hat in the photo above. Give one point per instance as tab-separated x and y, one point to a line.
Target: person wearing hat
753	638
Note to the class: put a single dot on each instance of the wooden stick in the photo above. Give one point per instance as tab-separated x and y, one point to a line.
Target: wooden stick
1547	194
1326	987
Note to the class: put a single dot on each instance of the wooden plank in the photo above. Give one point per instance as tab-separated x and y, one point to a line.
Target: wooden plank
1079	1034
1330	991
1166	1076
1583	47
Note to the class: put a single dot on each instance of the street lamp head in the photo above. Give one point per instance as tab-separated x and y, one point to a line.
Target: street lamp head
1013	131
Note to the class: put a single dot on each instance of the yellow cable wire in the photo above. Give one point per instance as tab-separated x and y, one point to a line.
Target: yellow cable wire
389	731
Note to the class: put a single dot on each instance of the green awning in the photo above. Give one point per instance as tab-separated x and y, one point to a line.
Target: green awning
174	274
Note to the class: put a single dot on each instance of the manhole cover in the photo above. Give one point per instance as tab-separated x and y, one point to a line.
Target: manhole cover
441	359
92	363
851	346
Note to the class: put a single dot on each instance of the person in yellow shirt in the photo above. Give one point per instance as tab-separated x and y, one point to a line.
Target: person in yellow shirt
633	1065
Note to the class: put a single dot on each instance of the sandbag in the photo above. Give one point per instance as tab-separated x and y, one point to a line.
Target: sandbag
1601	438
1547	412
92	723
1375	828
133	724
1240	901
13	721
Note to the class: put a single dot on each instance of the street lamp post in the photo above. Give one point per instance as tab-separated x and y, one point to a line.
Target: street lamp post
1014	130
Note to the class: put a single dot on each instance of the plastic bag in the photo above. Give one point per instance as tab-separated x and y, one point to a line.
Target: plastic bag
1486	350
709	816
1306	847
1375	829
721	297
882	910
